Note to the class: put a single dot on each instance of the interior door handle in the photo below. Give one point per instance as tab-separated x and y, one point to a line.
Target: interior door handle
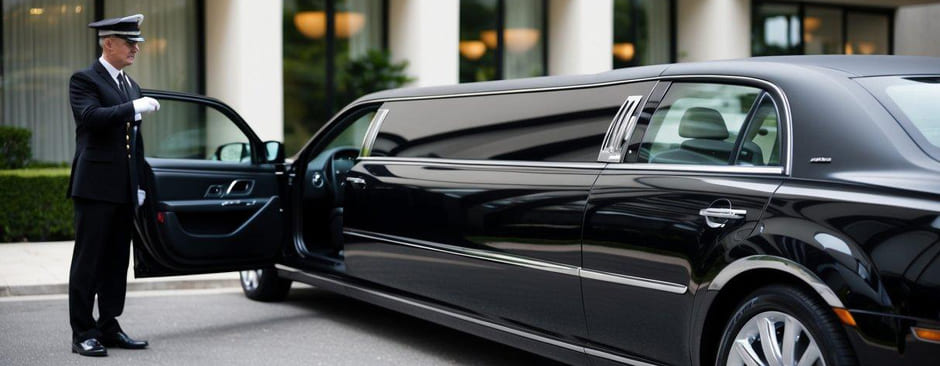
356	182
240	187
720	213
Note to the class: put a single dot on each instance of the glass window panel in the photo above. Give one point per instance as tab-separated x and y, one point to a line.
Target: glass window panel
567	125
822	30
305	106
867	34
168	59
195	131
775	30
524	39
308	102
642	32
359	27
478	40
38	60
697	124
761	142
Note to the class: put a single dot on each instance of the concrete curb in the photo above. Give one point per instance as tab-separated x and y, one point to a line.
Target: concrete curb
63	288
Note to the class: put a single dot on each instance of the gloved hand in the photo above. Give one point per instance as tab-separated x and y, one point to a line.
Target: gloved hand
146	105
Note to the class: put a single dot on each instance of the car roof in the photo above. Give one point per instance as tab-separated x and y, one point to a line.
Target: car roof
772	67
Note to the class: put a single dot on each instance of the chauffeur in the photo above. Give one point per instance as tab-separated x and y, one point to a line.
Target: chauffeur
107	106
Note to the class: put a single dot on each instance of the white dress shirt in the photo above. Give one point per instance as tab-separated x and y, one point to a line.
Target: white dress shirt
114	72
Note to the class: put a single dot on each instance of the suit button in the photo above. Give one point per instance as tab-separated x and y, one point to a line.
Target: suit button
128	156
127	137
128	125
128	147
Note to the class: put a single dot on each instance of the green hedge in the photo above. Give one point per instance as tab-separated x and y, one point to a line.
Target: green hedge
33	206
15	151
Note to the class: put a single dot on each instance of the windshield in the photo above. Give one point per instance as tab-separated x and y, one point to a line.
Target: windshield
915	102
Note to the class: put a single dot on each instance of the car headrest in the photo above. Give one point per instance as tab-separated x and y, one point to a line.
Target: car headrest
703	123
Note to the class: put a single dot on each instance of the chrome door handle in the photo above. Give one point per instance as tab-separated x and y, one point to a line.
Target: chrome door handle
720	213
356	182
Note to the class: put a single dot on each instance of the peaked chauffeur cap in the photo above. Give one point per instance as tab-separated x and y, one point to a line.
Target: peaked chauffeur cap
126	27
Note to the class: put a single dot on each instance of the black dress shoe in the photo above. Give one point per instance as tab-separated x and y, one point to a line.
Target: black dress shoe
121	340
89	347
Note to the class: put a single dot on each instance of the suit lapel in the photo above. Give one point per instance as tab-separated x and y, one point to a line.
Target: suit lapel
106	78
132	87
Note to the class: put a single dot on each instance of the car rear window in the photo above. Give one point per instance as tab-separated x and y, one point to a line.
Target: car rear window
915	102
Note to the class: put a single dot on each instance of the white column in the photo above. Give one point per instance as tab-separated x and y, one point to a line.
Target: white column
713	29
580	36
244	62
426	34
916	29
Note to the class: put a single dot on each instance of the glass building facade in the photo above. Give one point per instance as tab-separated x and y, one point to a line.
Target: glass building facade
320	39
45	41
796	28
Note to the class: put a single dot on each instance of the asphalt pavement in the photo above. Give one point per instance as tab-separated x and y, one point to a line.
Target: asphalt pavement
222	327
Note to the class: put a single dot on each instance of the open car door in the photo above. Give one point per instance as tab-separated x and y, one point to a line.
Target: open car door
213	191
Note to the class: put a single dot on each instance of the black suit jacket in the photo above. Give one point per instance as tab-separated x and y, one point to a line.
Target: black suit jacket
105	144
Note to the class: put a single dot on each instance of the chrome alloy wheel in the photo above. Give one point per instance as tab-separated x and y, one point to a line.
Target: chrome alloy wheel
250	279
772	338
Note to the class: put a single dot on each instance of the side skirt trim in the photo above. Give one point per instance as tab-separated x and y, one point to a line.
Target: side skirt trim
326	282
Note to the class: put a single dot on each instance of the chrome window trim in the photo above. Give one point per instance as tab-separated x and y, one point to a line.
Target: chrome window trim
372	131
753	262
519	261
733	169
787	168
516	163
466	318
469	253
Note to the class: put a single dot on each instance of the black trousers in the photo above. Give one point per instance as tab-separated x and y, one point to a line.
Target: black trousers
99	266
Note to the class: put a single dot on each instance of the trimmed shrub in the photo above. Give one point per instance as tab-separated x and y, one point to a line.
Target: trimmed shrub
33	206
15	151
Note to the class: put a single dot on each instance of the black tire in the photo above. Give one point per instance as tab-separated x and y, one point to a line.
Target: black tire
264	284
779	305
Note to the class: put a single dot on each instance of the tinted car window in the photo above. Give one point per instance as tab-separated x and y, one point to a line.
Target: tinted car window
913	102
761	142
559	126
699	123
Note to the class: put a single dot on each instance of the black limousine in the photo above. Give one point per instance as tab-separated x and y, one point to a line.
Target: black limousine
767	211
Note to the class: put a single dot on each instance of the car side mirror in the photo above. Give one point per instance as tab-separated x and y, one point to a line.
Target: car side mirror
274	152
233	151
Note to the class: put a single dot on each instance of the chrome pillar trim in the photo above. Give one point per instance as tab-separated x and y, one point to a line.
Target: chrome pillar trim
780	264
634	281
514	163
619	130
314	278
471	253
372	132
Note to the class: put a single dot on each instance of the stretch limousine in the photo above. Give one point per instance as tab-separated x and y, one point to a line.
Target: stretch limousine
766	211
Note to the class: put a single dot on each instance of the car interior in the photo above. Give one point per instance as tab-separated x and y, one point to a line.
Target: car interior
323	168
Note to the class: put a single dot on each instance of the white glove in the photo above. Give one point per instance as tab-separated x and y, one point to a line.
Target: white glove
146	105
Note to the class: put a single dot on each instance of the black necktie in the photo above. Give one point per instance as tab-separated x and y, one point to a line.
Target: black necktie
123	84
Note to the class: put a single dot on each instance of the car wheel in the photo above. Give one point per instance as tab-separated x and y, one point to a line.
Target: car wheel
783	325
264	284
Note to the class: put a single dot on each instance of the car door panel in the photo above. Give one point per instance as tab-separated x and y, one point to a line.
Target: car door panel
653	229
207	215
